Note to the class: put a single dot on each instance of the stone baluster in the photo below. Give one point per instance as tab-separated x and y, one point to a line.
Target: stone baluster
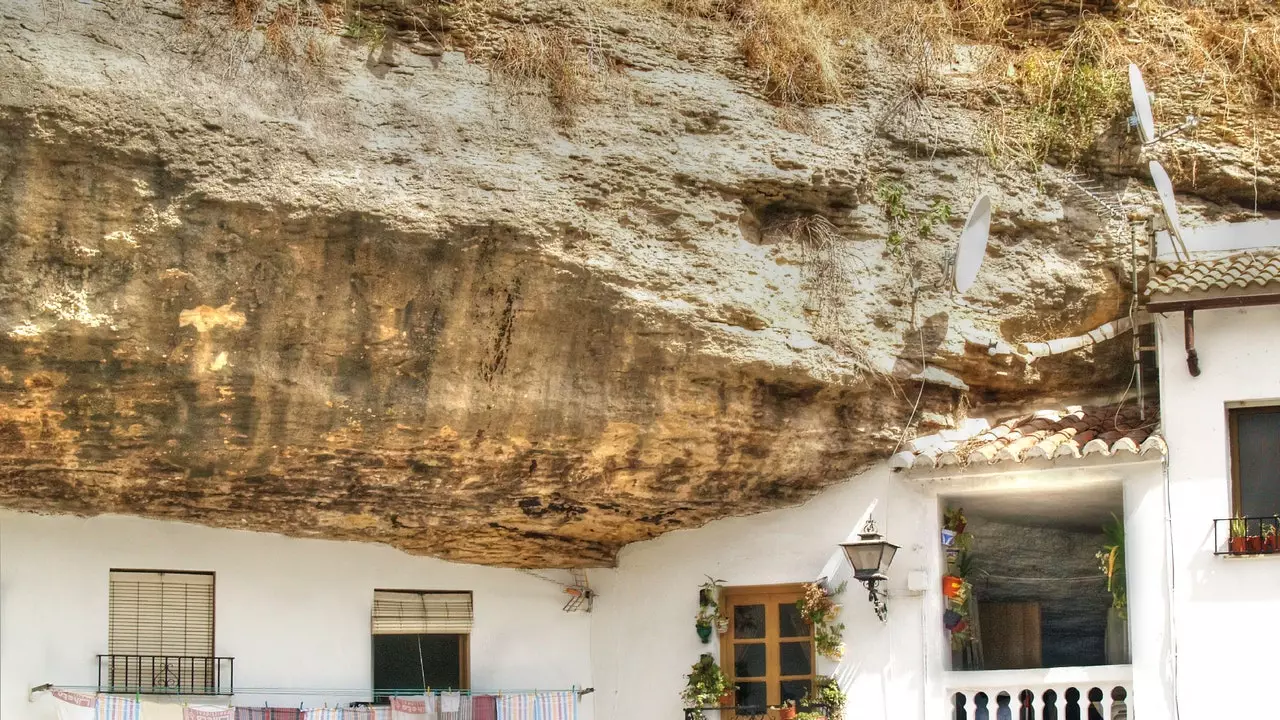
1105	704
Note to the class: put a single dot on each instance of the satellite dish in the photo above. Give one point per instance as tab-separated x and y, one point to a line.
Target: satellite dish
1167	202
1142	105
972	247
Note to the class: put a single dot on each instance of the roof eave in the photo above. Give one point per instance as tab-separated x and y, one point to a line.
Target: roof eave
1181	302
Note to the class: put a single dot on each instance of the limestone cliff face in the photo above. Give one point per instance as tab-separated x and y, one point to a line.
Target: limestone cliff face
394	299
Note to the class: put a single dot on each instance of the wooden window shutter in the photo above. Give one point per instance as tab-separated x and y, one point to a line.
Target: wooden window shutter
425	613
161	613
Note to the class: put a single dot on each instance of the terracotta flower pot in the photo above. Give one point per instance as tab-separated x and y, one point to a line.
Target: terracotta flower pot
1269	544
786	713
1236	546
951	585
1254	543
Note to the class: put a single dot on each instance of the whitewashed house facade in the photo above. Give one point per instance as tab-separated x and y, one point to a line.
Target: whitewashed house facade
300	617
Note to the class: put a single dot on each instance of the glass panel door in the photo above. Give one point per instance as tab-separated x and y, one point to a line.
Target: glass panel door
768	652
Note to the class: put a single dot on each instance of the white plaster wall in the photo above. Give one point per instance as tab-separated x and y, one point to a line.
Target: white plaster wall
643	640
294	613
1227	627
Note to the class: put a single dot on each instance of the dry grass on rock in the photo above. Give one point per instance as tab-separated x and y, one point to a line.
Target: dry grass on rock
550	58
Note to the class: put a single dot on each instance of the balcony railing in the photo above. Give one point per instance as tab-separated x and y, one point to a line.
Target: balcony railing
747	712
1084	693
166	674
1246	536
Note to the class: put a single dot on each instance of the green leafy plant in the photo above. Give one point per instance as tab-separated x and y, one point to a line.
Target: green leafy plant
1111	561
819	608
829	696
706	684
1238	527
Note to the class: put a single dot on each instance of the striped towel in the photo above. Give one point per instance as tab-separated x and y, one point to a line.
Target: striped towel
116	707
324	714
268	713
484	707
207	712
74	706
555	706
537	706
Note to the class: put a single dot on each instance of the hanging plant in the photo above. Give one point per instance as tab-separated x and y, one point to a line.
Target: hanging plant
820	610
706	685
1111	562
709	618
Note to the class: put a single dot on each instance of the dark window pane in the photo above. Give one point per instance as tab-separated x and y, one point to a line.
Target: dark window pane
751	694
790	622
795	658
400	662
1258	436
794	690
748	621
748	660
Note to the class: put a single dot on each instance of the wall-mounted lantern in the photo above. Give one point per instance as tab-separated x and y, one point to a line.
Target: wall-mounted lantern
870	557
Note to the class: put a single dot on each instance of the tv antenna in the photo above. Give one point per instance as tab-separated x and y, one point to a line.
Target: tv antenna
1142	117
1169	206
962	267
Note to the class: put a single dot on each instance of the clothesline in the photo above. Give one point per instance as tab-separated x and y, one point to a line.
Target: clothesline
429	705
361	692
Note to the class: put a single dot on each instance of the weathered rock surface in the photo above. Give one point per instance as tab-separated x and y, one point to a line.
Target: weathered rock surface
394	300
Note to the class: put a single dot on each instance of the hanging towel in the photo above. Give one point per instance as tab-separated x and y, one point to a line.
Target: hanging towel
521	706
450	702
115	707
205	712
381	712
152	710
421	707
555	706
484	707
323	714
267	713
74	706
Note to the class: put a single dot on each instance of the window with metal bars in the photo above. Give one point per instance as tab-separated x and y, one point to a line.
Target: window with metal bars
160	630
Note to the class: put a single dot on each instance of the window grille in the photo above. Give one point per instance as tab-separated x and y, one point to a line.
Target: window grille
165	617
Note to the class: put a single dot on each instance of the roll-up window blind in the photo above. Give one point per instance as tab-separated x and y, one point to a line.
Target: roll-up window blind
161	613
421	613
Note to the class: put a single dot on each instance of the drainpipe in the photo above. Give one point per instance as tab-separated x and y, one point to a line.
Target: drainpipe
1189	334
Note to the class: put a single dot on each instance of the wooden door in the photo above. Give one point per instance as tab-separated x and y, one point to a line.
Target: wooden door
768	651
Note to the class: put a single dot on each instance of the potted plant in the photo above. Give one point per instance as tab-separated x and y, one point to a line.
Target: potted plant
705	622
1111	562
1236	543
820	610
709	618
1269	539
831	697
1254	542
706	685
787	711
953	519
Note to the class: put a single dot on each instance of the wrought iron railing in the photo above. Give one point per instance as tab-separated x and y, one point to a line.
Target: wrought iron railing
1246	536
747	712
166	674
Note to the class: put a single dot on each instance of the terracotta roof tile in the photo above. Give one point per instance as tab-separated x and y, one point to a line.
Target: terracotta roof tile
1074	432
1238	271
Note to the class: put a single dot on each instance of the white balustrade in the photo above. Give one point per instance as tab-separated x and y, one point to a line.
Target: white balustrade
1103	692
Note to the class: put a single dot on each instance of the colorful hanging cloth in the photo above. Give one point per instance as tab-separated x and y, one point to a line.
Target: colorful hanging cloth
268	713
74	706
206	712
117	707
324	714
555	706
484	707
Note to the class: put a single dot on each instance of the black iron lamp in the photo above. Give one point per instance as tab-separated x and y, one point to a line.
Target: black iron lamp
870	557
